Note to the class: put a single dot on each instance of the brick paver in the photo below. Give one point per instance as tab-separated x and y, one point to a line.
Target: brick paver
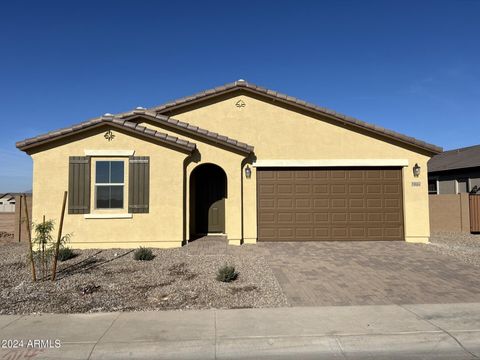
366	273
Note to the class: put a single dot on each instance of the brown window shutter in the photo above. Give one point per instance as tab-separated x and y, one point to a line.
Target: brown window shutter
79	185
139	184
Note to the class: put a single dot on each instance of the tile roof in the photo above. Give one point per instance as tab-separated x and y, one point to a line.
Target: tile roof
189	129
124	120
462	158
246	86
113	121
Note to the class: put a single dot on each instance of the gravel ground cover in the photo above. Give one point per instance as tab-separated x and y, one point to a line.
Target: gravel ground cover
111	280
465	247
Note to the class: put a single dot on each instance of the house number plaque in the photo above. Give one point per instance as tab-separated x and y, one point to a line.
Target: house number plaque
416	183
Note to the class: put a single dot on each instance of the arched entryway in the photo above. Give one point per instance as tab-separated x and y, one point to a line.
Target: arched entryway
208	191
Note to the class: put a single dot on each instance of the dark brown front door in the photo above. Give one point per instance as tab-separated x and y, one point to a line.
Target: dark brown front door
216	217
208	195
330	204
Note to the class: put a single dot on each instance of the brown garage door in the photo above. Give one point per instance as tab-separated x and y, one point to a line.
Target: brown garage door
329	204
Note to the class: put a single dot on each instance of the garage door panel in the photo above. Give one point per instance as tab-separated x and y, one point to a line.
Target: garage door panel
392	203
303	203
305	233
392	175
285	204
339	218
374	188
266	189
267	218
357	233
286	233
357	203
320	189
330	204
284	189
321	233
339	233
338	203
285	175
286	218
356	175
321	218
392	189
267	203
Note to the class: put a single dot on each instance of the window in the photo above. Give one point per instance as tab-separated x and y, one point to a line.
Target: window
432	187
109	183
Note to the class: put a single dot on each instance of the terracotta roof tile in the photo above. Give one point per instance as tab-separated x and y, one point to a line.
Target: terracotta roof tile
117	122
300	103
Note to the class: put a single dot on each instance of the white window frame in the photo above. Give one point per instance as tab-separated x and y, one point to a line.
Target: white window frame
109	184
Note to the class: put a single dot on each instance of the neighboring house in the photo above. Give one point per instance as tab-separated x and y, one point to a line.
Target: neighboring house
163	176
7	202
455	171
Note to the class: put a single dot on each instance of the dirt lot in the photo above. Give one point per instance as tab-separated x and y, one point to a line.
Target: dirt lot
7	221
111	280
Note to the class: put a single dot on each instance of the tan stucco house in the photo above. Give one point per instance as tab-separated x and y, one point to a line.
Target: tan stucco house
239	160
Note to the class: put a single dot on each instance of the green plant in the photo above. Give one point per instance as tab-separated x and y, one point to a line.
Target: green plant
143	254
43	241
65	253
227	273
44	246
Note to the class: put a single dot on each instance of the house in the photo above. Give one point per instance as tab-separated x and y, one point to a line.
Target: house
7	202
240	160
455	171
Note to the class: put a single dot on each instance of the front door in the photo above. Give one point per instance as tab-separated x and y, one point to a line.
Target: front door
209	193
216	217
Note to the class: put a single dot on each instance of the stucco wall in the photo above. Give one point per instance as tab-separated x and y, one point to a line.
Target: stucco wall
162	226
276	132
282	133
449	213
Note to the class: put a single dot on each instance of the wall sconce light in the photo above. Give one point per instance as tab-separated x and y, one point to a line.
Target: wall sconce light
248	172
416	170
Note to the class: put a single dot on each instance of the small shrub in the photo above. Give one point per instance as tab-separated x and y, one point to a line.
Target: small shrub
65	253
143	254
227	274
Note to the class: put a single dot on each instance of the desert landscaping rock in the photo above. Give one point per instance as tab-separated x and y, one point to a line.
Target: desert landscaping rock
111	280
463	246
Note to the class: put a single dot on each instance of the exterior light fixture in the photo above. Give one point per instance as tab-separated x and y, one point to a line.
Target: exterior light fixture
248	172
416	170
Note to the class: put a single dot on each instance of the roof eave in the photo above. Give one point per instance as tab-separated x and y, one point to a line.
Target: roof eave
278	97
28	145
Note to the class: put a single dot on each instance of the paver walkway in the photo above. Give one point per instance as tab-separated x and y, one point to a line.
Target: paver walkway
368	273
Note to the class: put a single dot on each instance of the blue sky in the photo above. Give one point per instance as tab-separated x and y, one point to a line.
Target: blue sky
411	66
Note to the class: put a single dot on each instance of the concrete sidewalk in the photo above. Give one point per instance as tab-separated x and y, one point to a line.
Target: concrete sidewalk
440	331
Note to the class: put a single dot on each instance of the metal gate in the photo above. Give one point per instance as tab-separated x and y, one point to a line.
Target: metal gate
474	202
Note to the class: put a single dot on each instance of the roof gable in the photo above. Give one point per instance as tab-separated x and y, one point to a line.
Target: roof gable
192	130
126	121
247	87
122	124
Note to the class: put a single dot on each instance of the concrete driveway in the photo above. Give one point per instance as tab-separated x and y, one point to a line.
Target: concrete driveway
369	273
